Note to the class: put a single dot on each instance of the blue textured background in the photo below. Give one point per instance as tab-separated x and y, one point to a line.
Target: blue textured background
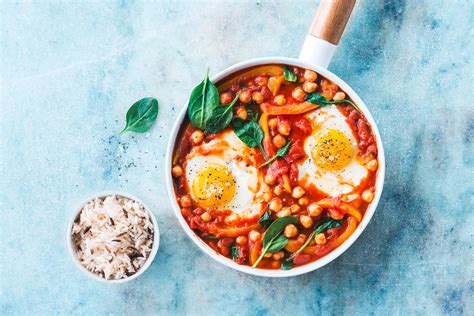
70	71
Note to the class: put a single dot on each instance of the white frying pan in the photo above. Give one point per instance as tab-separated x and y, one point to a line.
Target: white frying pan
316	54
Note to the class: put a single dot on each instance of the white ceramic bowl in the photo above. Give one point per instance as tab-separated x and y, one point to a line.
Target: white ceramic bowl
336	252
72	247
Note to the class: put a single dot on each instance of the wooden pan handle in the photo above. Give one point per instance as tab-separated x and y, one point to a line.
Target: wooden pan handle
331	19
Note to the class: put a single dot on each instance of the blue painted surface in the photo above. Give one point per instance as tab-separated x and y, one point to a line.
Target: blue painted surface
70	71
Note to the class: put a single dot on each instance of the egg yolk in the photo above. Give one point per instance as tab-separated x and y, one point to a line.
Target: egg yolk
213	186
333	150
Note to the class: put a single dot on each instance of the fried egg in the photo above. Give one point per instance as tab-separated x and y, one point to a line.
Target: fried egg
223	175
331	164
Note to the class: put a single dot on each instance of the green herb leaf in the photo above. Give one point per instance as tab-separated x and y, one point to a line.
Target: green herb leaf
278	243
235	252
220	117
252	115
320	100
266	219
273	240
289	75
280	153
204	99
324	224
286	264
250	133
141	116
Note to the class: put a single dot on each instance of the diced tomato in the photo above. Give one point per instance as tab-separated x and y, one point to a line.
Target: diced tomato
279	167
301	258
296	152
303	125
293	175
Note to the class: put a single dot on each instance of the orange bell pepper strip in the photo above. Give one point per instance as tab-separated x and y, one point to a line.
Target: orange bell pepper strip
351	226
267	139
289	109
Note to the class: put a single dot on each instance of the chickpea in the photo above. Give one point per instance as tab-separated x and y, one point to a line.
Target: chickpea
339	96
267	196
226	97
320	239
298	94
279	255
241	240
350	197
242	113
254	235
306	221
297	192
279	141
284	128
185	201
314	210
303	201
270	179
245	96
367	196
284	212
310	87
372	165
261	81
290	231
335	214
257	97
275	204
310	75
197	137
177	171
279	100
278	190
273	122
301	238
206	216
295	208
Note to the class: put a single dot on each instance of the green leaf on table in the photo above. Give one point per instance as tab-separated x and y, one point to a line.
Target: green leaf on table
141	116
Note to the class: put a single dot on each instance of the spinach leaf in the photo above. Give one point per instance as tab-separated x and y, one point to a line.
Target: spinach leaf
318	99
235	252
250	133
289	75
286	264
252	115
273	240
204	98
266	219
280	153
220	117
324	224
141	116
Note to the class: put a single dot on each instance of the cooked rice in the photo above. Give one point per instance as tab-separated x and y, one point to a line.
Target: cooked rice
113	236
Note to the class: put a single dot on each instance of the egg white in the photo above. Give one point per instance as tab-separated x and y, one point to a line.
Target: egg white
336	182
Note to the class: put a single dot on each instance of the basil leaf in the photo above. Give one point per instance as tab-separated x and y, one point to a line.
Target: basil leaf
266	219
280	153
235	252
204	98
250	133
220	117
141	116
278	243
318	99
274	240
324	224
286	264
289	75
